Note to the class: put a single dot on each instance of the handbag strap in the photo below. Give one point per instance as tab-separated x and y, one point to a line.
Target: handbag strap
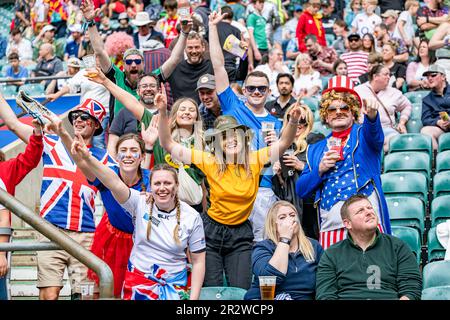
382	104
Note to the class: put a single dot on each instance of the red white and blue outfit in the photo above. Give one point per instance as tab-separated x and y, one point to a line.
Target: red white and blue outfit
113	237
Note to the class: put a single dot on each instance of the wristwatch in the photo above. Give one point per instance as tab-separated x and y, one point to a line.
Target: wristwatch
285	240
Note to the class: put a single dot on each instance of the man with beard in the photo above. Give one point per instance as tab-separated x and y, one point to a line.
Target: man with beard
210	105
127	119
133	58
183	79
381	33
285	84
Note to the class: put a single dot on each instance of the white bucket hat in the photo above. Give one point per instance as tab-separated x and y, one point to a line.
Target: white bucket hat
142	19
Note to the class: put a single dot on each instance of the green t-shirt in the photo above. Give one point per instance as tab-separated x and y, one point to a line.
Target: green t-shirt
258	23
161	156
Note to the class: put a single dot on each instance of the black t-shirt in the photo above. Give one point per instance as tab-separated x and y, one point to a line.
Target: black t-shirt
274	108
123	123
224	30
398	70
398	5
128	30
183	80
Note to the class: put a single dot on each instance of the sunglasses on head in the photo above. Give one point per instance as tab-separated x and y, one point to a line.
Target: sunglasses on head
129	62
83	116
333	109
261	89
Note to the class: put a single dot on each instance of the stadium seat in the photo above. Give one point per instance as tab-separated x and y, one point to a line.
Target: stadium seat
411	142
443	161
8	91
416	96
441	184
33	89
222	293
435	250
316	115
411	237
406	212
411	184
436	293
330	38
320	128
414	125
444	142
416	111
436	274
325	81
440	210
408	161
312	103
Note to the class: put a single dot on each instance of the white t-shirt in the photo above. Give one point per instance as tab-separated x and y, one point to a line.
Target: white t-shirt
408	27
307	81
89	89
365	24
162	249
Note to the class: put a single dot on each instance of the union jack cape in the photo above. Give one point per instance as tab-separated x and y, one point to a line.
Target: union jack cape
67	199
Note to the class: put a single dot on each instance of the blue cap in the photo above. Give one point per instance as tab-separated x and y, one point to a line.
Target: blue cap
298	7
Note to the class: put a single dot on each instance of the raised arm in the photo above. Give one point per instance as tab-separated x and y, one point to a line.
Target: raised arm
438	39
89	13
178	51
176	150
126	98
216	54
107	177
21	130
287	136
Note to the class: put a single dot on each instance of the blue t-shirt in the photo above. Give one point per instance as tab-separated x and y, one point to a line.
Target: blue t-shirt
233	106
119	217
72	49
9	72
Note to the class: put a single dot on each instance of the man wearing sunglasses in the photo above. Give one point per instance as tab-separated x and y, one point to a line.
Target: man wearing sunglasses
252	114
347	162
133	59
436	105
355	58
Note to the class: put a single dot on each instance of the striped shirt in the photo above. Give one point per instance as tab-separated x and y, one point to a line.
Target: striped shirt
356	63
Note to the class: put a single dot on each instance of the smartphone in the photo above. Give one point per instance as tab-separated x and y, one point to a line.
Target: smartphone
285	170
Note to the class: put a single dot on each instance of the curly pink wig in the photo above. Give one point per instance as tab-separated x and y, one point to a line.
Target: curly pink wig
117	43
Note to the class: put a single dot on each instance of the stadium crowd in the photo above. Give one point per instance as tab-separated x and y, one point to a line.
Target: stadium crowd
227	140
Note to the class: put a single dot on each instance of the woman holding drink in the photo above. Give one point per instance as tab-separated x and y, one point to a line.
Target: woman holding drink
286	254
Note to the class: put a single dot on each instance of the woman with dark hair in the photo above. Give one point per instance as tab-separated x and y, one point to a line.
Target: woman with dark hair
288	254
415	69
340	68
368	43
397	70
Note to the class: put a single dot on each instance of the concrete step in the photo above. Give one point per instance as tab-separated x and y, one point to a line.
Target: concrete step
27	289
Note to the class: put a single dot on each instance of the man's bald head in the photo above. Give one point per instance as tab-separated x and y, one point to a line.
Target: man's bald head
46	51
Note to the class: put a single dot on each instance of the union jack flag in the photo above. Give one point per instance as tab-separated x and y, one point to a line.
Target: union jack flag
67	199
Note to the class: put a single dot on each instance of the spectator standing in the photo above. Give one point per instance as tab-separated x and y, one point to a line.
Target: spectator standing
104	28
329	16
366	21
405	24
391	102
307	80
124	25
167	25
272	68
310	23
21	46
290	26
238	10
146	30
415	69
434	103
401	51
270	13
73	47
334	176
355	58
256	25
287	254
285	86
209	107
322	57
391	259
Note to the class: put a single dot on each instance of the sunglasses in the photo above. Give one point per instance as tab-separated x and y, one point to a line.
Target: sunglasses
83	116
261	89
129	62
353	40
432	75
333	110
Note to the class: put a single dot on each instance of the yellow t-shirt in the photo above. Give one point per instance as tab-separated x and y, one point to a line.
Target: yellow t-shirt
232	196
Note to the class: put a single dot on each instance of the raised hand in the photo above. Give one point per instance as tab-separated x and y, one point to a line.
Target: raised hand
286	227
100	78
79	150
295	113
150	134
215	17
55	124
161	101
186	23
37	127
328	161
370	108
88	9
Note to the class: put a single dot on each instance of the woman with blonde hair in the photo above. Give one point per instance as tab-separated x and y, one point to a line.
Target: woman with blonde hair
307	80
290	166
233	173
287	254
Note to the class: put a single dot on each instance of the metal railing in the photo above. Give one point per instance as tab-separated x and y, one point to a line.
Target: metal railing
32	79
60	241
